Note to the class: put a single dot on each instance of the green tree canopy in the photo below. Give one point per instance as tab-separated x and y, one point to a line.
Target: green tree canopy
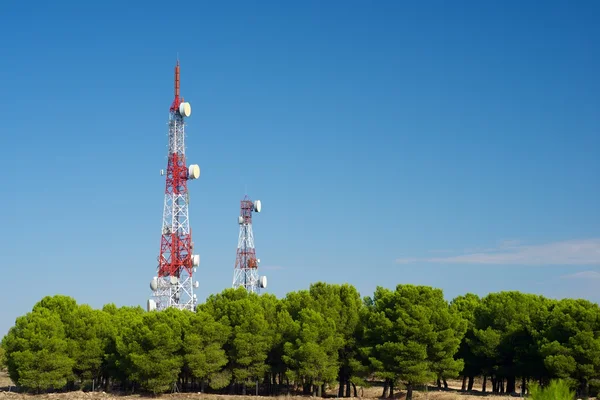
37	351
248	345
203	348
413	334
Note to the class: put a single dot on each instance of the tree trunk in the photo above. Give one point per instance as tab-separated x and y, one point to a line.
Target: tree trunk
348	394
471	382
464	384
483	386
323	391
385	389
341	385
445	383
391	389
354	387
439	383
511	384
583	389
502	386
409	392
307	388
523	386
319	393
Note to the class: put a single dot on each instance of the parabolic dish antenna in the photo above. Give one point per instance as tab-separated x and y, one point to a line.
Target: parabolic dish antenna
151	305
263	282
154	283
185	109
194	171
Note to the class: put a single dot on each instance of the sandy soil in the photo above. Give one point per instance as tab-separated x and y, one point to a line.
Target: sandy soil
194	396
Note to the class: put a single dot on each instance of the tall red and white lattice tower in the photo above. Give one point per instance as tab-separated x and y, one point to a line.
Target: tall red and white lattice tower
174	286
245	272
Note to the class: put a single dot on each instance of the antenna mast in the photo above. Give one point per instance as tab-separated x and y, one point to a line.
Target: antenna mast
173	286
245	272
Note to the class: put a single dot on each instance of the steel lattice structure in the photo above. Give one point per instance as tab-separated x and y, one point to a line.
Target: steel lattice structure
245	272
174	286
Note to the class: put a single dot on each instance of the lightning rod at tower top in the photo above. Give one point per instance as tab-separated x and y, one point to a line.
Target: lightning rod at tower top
173	285
245	272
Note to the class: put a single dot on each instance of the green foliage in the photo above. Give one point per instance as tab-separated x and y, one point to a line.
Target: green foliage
449	330
342	305
121	321
557	390
413	334
506	334
571	341
152	346
281	329
313	356
2	359
203	348
465	306
90	332
247	346
311	337
37	351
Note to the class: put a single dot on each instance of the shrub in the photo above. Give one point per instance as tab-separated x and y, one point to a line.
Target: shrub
556	390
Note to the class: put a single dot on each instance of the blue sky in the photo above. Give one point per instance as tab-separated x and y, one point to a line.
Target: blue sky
451	144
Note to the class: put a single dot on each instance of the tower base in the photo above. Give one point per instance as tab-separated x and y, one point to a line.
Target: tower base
248	278
175	292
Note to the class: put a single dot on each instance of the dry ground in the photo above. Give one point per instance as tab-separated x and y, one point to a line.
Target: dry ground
192	396
366	393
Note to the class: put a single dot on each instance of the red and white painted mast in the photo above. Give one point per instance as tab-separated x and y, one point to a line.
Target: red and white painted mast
173	286
245	270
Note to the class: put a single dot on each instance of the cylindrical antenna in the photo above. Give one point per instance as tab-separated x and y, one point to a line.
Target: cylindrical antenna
177	80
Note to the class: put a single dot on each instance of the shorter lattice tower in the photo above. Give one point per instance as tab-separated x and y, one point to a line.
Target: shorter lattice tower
245	272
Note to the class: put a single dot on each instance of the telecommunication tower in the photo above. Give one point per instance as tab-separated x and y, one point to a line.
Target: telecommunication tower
245	272
173	286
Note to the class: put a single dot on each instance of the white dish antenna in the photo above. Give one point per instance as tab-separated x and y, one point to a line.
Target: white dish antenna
258	260
154	283
263	282
194	171
174	280
196	284
196	260
151	305
240	220
257	206
185	109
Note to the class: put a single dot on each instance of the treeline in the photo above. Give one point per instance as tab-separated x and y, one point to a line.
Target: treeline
308	342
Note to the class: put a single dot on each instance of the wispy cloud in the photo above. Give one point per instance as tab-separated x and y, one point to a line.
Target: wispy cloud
583	275
569	252
272	267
